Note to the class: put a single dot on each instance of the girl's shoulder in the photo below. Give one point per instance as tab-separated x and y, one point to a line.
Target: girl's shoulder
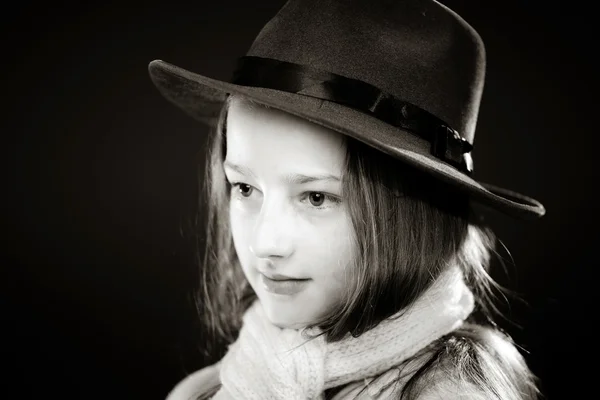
198	385
474	362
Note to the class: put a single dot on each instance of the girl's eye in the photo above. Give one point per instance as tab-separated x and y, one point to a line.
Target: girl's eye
316	198
244	189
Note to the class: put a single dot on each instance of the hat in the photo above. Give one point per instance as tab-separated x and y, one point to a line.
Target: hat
403	76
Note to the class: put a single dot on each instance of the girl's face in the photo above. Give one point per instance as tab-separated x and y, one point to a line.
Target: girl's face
290	227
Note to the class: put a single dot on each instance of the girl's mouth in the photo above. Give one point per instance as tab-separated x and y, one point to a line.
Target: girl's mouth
283	285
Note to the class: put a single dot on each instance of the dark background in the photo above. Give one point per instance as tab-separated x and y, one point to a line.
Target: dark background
99	268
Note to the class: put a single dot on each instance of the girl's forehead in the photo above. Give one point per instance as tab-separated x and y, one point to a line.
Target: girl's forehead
255	132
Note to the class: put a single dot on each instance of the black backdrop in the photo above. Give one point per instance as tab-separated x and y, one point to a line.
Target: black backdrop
101	173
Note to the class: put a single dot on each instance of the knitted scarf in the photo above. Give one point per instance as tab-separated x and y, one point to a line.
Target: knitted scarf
270	363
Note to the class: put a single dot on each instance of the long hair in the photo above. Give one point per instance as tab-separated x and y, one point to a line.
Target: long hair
408	227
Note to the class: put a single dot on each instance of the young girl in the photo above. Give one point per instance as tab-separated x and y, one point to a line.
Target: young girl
346	256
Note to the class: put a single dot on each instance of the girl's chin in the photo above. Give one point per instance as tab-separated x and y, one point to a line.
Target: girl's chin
282	318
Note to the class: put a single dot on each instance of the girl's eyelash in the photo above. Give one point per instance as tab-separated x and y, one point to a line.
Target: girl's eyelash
331	198
237	184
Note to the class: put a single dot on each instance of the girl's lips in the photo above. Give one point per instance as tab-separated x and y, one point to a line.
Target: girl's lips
284	286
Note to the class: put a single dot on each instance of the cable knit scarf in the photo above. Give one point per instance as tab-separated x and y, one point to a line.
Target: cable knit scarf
268	363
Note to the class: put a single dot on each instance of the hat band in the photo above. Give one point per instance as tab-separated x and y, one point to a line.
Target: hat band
446	143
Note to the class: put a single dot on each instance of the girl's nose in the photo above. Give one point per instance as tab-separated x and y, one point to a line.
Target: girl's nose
272	236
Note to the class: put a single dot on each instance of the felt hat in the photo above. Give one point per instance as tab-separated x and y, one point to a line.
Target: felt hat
403	76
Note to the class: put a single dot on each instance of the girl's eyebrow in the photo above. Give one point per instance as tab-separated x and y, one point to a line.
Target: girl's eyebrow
292	178
239	168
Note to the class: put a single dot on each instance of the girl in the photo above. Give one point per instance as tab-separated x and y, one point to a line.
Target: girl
346	257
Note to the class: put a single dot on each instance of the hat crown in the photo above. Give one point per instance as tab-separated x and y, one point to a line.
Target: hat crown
416	50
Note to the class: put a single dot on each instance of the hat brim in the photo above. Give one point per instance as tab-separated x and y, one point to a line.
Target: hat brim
202	98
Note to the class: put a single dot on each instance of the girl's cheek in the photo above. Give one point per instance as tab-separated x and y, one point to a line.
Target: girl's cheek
241	225
243	207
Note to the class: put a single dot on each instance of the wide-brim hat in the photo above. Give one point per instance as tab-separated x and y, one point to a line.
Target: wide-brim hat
404	76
